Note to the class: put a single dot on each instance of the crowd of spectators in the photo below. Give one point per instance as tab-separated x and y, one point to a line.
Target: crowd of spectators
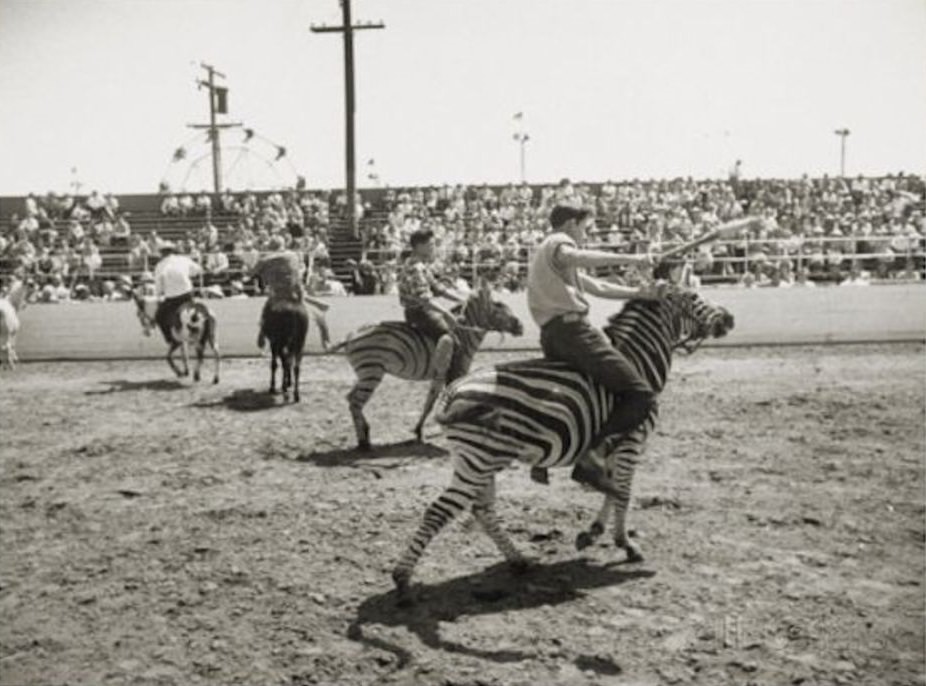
838	230
60	242
828	229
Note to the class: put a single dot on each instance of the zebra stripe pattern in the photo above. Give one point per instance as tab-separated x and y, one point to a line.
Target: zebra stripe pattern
400	350
545	414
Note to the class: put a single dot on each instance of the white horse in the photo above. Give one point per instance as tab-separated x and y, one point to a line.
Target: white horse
10	305
193	324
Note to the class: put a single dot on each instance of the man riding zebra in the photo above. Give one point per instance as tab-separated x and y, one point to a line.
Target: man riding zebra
556	296
418	285
432	344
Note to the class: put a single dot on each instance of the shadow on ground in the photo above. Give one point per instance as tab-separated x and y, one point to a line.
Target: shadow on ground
122	385
340	457
491	591
246	400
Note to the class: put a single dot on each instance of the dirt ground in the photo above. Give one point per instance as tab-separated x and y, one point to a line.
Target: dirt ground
157	532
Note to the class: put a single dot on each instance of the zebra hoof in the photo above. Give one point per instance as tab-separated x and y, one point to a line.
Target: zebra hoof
296	397
365	446
402	590
584	540
633	553
196	376
215	380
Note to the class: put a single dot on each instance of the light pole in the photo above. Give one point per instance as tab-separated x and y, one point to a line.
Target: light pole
842	133
522	137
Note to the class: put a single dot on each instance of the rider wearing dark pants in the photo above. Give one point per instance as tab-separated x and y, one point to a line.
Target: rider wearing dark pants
556	295
173	280
417	286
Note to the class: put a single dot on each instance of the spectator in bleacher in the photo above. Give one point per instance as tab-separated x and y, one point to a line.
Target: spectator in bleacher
91	260
208	235
170	206
102	231
249	256
96	205
138	254
215	263
187	205
122	230
112	205
203	203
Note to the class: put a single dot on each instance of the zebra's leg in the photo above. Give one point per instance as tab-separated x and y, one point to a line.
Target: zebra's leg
586	538
437	385
624	468
368	378
484	513
455	498
443	357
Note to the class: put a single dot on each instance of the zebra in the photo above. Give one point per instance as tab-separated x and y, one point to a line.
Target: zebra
545	414
401	350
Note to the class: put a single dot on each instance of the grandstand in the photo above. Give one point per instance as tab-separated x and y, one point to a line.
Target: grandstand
829	229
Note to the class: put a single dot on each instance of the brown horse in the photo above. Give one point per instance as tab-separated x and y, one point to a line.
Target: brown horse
286	324
193	324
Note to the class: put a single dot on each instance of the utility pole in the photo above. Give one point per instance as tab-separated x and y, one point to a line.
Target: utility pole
522	138
214	107
842	133
347	28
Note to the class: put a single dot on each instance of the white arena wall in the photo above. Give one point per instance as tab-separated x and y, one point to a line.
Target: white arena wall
764	316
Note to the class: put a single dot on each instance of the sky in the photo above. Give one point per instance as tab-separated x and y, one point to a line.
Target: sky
102	91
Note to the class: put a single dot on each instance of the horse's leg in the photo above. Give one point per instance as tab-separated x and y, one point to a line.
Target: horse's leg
286	360
434	390
368	378
274	360
484	513
170	358
457	497
185	356
200	350
215	348
297	361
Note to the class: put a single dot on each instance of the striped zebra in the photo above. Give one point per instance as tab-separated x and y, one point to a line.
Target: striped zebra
401	350
546	415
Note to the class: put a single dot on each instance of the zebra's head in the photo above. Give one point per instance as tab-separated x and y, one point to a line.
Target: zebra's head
481	311
683	318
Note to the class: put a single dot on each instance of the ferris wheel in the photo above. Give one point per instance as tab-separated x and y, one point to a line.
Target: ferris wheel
248	161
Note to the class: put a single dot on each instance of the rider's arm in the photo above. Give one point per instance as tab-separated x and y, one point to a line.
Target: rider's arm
604	289
570	256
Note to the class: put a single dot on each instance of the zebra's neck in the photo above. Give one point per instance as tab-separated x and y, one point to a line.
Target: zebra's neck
646	335
469	340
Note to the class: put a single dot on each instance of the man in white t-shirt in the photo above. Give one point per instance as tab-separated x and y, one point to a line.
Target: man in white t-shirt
556	291
173	281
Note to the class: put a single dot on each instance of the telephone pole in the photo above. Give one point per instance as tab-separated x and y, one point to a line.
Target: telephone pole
347	29
842	133
217	104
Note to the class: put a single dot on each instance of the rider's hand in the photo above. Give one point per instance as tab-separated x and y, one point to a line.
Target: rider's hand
654	291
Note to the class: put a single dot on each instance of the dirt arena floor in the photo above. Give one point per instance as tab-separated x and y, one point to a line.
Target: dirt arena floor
156	532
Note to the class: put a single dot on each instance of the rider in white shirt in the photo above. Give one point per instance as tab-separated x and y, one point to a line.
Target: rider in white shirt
173	280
